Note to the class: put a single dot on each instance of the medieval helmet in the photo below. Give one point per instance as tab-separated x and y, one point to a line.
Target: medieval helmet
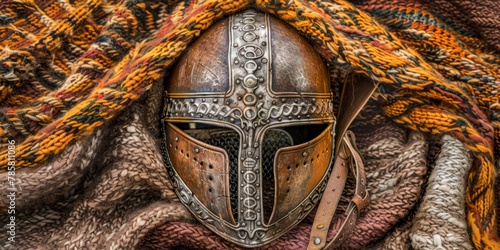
249	128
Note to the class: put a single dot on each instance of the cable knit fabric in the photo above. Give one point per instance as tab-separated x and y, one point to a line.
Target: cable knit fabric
80	94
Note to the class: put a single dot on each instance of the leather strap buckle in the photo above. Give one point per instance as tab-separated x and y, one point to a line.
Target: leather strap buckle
348	159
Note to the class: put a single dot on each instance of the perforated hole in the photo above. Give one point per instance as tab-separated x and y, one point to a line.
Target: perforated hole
210	178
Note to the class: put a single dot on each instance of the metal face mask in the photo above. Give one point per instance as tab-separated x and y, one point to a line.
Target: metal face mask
248	128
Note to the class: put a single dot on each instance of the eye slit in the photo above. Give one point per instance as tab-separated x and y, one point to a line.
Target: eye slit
272	141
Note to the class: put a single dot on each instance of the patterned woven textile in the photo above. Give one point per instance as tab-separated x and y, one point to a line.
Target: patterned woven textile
81	86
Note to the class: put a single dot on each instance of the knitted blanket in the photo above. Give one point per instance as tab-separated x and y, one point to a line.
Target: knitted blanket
80	97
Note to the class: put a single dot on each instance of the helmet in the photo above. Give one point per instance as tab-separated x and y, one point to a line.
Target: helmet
248	128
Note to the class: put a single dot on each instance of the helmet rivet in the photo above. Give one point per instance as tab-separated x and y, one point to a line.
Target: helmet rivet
256	144
317	241
196	150
235	45
249	153
304	154
176	138
215	100
245	145
320	226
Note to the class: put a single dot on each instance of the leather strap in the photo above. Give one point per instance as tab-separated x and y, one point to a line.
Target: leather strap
354	97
